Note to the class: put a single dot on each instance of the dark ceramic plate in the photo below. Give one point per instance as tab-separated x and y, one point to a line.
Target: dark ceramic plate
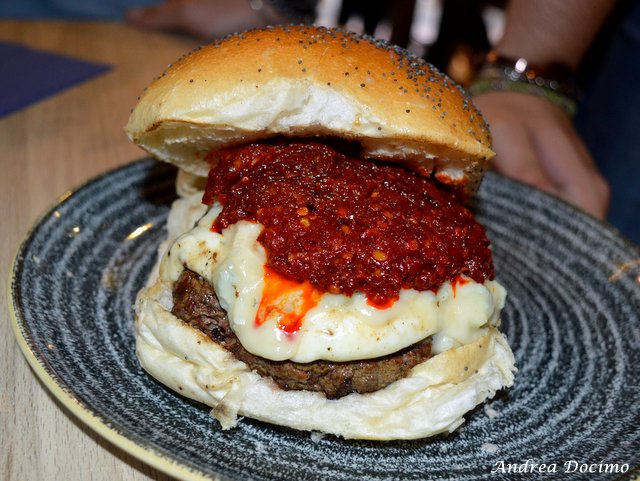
572	319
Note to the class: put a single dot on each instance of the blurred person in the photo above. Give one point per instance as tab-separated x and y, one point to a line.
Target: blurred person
534	135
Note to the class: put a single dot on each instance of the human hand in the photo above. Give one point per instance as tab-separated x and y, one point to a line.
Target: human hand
201	18
536	143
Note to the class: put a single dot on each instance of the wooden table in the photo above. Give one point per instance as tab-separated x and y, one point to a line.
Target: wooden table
45	150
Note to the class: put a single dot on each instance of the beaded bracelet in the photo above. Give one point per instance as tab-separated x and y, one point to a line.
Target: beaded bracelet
554	82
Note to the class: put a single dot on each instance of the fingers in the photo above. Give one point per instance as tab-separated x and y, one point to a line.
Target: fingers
516	158
564	156
535	142
513	142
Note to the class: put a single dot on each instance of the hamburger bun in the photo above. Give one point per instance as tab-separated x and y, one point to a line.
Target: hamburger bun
310	81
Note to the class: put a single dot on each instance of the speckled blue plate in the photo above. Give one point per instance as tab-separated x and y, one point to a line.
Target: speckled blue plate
572	319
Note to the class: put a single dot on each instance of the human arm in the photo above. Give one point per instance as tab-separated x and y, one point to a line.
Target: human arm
534	139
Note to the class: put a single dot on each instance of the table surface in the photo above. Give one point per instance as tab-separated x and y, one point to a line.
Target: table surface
48	148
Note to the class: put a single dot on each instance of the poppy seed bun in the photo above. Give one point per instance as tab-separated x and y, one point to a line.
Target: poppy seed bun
311	81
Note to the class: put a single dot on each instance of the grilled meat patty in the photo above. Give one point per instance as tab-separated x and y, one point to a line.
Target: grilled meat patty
196	303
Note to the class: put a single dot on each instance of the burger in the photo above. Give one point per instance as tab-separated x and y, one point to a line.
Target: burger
321	270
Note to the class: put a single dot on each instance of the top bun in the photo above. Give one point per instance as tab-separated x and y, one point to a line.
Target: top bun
312	81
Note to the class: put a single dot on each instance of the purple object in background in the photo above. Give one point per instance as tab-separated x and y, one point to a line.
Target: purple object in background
28	76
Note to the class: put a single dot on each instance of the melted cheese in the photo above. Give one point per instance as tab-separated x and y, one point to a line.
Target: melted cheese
279	319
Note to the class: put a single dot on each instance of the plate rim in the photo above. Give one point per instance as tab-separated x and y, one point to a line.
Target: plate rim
73	405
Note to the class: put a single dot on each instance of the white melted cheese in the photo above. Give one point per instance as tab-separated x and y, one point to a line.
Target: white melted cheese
339	327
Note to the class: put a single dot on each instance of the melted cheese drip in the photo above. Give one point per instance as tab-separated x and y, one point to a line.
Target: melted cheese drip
278	319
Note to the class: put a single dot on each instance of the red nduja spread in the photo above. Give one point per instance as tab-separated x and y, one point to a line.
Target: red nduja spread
347	224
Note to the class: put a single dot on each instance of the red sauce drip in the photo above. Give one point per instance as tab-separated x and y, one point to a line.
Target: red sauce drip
347	224
387	304
458	281
286	301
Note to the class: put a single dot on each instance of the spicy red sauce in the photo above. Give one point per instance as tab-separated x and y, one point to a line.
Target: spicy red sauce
347	224
287	314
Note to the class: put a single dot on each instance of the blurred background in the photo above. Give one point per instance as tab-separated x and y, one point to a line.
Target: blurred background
453	34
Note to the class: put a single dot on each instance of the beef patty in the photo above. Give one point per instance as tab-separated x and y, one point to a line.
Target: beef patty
196	303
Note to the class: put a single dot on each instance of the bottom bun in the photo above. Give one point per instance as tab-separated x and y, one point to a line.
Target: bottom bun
432	399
